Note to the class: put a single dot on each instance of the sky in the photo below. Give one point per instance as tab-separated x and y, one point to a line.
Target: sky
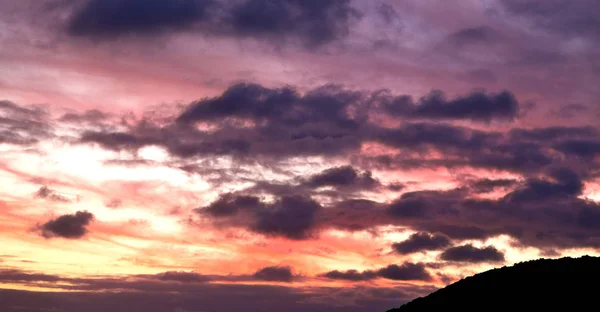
291	155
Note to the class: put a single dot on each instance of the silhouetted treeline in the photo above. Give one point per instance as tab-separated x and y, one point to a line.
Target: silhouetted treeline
568	284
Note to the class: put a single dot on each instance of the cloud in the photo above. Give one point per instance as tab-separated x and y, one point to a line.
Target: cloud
20	125
113	18
49	194
317	123
116	140
278	106
522	151
422	135
18	276
314	23
541	212
246	101
563	17
171	291
293	217
184	277
71	226
275	274
405	272
422	204
345	176
421	242
350	275
545	134
277	124
488	185
334	122
92	117
249	121
477	106
469	253
586	149
544	211
481	34
230	204
566	184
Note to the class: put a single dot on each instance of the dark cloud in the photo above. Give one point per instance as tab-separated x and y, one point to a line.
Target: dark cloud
350	275
93	117
563	17
423	204
230	204
113	18
488	185
552	133
317	123
275	274
581	148
550	253
52	195
17	276
283	106
336	183
405	272
544	212
245	101
462	231
184	277
566	184
251	121
477	106
275	124
481	34
20	125
182	291
354	215
396	186
331	121
345	176
71	226
469	253
293	217
421	136
116	140
226	298
421	242
519	150
313	22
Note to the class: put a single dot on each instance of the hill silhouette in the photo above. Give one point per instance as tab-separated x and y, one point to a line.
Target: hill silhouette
539	284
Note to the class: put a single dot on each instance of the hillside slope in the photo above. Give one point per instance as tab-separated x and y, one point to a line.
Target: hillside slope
539	284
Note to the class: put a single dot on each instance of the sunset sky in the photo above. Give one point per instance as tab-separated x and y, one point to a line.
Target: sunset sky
289	155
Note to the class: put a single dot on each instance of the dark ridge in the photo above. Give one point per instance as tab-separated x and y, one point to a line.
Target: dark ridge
539	284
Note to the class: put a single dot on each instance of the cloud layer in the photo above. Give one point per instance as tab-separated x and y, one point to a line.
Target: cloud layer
213	155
